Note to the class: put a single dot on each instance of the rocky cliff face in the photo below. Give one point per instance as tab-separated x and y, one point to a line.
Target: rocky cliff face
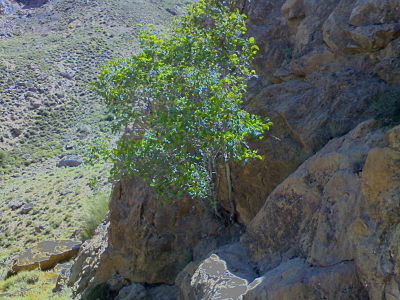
329	231
319	224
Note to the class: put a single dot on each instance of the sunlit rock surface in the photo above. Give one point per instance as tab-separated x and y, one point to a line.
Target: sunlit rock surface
45	255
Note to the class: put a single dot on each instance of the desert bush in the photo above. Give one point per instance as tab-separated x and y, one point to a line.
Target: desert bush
20	281
94	210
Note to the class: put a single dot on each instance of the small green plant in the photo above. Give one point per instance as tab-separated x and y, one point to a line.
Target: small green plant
181	102
386	107
94	211
4	158
20	281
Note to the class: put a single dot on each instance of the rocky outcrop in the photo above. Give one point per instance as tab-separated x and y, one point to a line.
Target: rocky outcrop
311	87
145	234
340	205
82	272
327	230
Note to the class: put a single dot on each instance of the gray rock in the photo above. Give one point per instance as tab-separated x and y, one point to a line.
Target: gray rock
65	272
69	146
71	160
39	228
26	208
117	282
15	132
66	72
15	204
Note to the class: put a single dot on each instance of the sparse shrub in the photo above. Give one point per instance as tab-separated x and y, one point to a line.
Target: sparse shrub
19	281
4	158
386	107
3	271
94	211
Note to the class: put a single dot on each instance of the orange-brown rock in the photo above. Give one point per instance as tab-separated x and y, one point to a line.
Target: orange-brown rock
45	255
340	205
147	240
329	231
320	65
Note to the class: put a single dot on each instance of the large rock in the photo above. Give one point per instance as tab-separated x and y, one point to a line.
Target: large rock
70	160
340	205
294	279
320	64
330	231
82	273
147	241
137	291
45	255
362	26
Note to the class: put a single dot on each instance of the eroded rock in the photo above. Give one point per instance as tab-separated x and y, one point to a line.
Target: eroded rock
295	279
144	235
83	271
340	205
45	255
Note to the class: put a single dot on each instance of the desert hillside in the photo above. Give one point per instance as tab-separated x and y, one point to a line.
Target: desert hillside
318	217
50	53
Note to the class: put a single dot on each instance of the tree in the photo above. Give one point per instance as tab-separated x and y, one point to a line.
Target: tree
180	101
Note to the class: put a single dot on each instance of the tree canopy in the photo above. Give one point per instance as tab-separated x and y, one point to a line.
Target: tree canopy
180	102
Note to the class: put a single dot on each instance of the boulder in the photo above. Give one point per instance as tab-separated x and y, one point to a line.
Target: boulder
45	255
133	291
83	272
362	26
16	132
367	12
294	279
70	160
161	238
66	72
15	204
340	205
26	208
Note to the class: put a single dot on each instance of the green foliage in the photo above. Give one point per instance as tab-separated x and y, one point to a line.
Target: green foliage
94	211
181	100
4	158
386	107
19	281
